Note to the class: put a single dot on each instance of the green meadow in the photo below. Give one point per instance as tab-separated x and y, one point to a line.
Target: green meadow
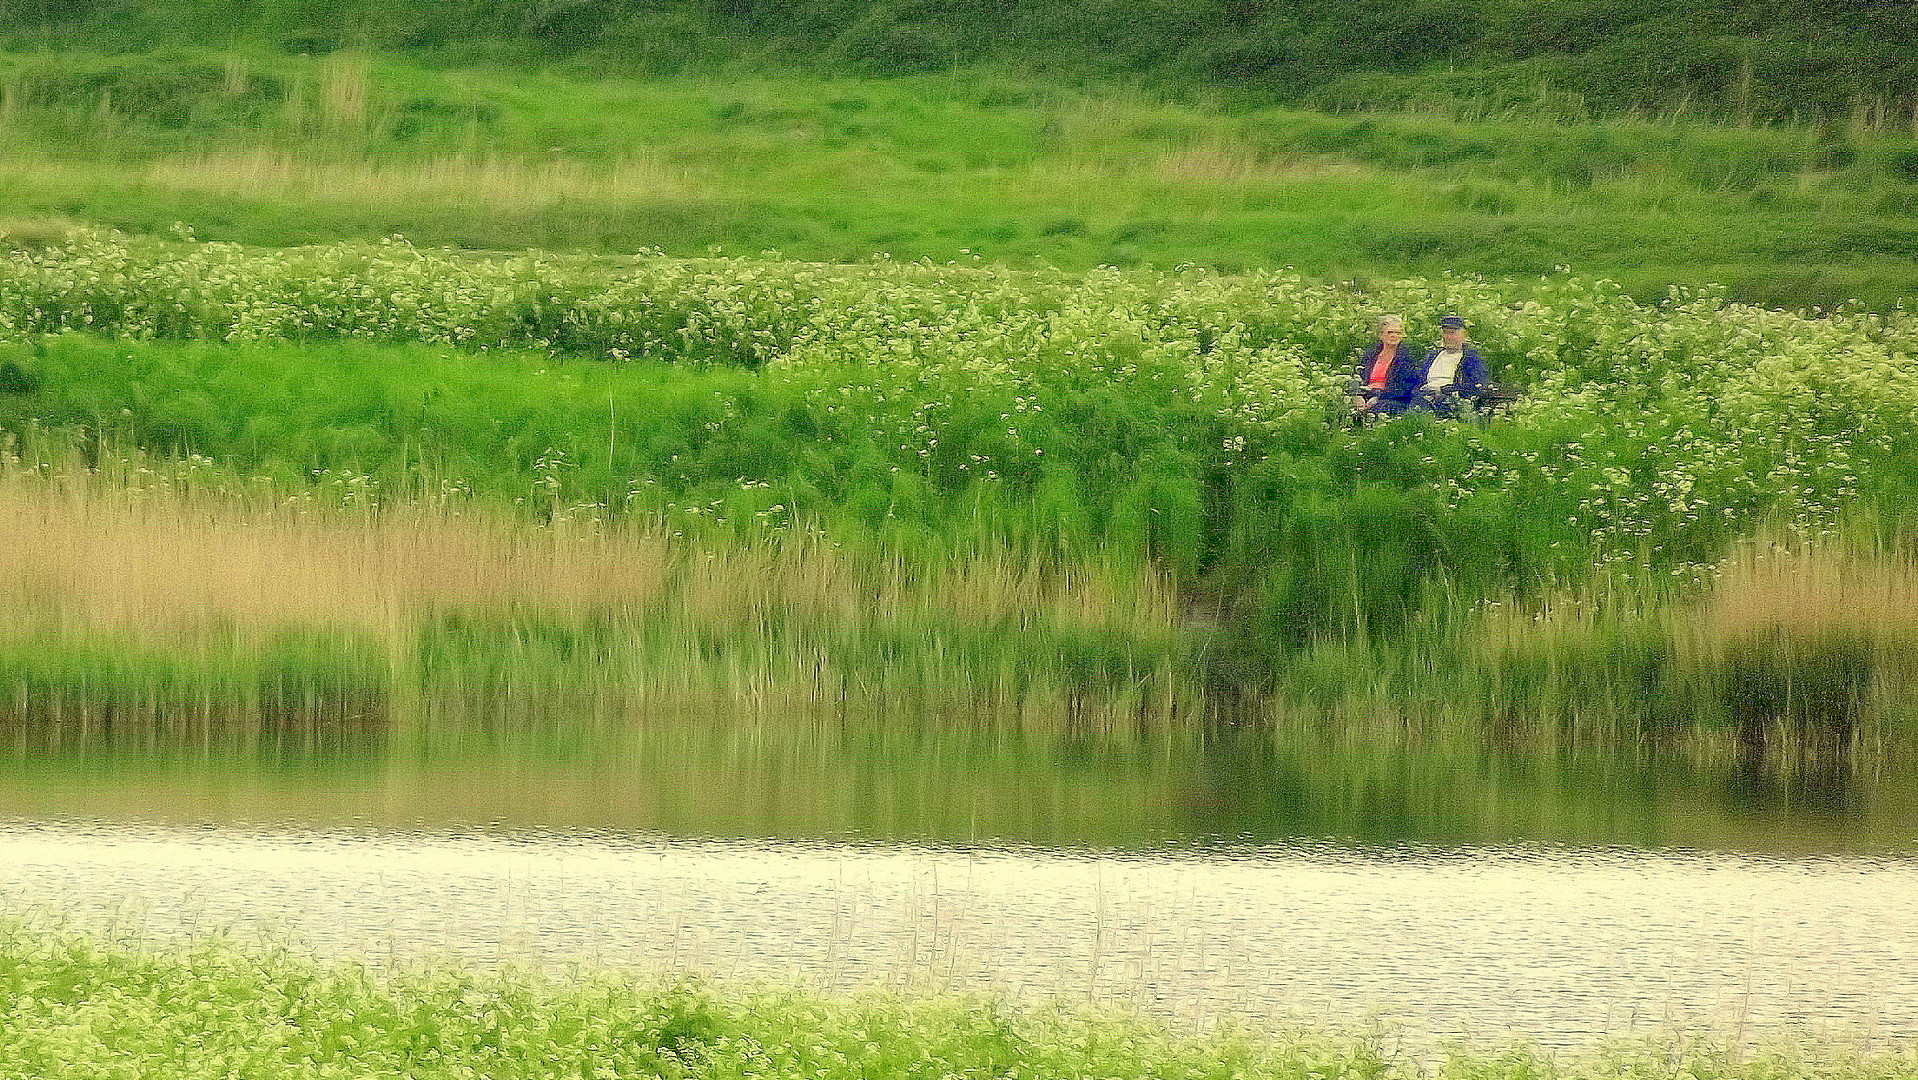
986	162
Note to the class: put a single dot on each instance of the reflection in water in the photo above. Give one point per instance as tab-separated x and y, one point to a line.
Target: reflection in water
1565	948
1817	779
1457	889
1098	793
1806	796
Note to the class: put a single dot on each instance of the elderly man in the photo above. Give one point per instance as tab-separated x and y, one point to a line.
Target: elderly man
1454	371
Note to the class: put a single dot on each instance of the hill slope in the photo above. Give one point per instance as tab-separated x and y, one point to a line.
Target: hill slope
1747	60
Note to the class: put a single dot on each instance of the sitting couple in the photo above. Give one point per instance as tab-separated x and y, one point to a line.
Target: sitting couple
1391	377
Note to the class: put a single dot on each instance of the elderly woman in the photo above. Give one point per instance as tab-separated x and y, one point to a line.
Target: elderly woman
1389	373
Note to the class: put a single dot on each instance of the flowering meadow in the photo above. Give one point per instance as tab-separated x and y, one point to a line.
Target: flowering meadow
1186	424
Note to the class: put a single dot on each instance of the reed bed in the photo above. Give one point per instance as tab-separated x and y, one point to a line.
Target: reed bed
161	590
1798	645
1853	584
169	592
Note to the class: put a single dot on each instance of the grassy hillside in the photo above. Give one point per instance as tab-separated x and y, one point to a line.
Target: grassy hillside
1069	329
1133	495
1740	61
982	165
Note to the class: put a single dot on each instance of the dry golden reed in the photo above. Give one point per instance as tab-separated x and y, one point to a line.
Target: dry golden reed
125	555
498	183
167	561
1240	161
1812	592
160	566
1772	587
346	81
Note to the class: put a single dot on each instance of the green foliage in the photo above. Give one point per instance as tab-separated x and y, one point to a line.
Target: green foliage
307	685
254	145
1189	421
1798	687
1744	62
71	1004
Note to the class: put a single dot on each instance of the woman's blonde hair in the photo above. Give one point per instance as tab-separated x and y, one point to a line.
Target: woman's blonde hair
1390	320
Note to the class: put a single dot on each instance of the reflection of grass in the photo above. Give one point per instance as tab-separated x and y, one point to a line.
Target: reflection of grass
697	773
686	776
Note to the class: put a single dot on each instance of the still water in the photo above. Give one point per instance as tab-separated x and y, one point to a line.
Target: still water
1443	893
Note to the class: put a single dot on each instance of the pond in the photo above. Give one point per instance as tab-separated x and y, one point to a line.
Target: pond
1442	891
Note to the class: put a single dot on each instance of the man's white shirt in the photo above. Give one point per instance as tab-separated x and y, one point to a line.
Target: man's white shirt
1444	369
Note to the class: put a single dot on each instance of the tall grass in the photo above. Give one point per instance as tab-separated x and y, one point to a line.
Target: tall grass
163	596
498	184
1801	644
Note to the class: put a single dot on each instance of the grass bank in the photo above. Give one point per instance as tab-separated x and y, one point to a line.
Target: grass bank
73	1004
153	600
1145	477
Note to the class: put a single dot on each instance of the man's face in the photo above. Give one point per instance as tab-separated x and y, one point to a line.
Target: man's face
1452	337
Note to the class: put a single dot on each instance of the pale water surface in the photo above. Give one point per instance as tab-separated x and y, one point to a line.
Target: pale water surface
1575	915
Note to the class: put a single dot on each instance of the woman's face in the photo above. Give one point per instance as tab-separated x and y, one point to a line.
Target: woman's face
1391	334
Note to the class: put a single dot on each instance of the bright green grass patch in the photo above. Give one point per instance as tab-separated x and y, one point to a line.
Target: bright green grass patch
300	684
73	1005
279	150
